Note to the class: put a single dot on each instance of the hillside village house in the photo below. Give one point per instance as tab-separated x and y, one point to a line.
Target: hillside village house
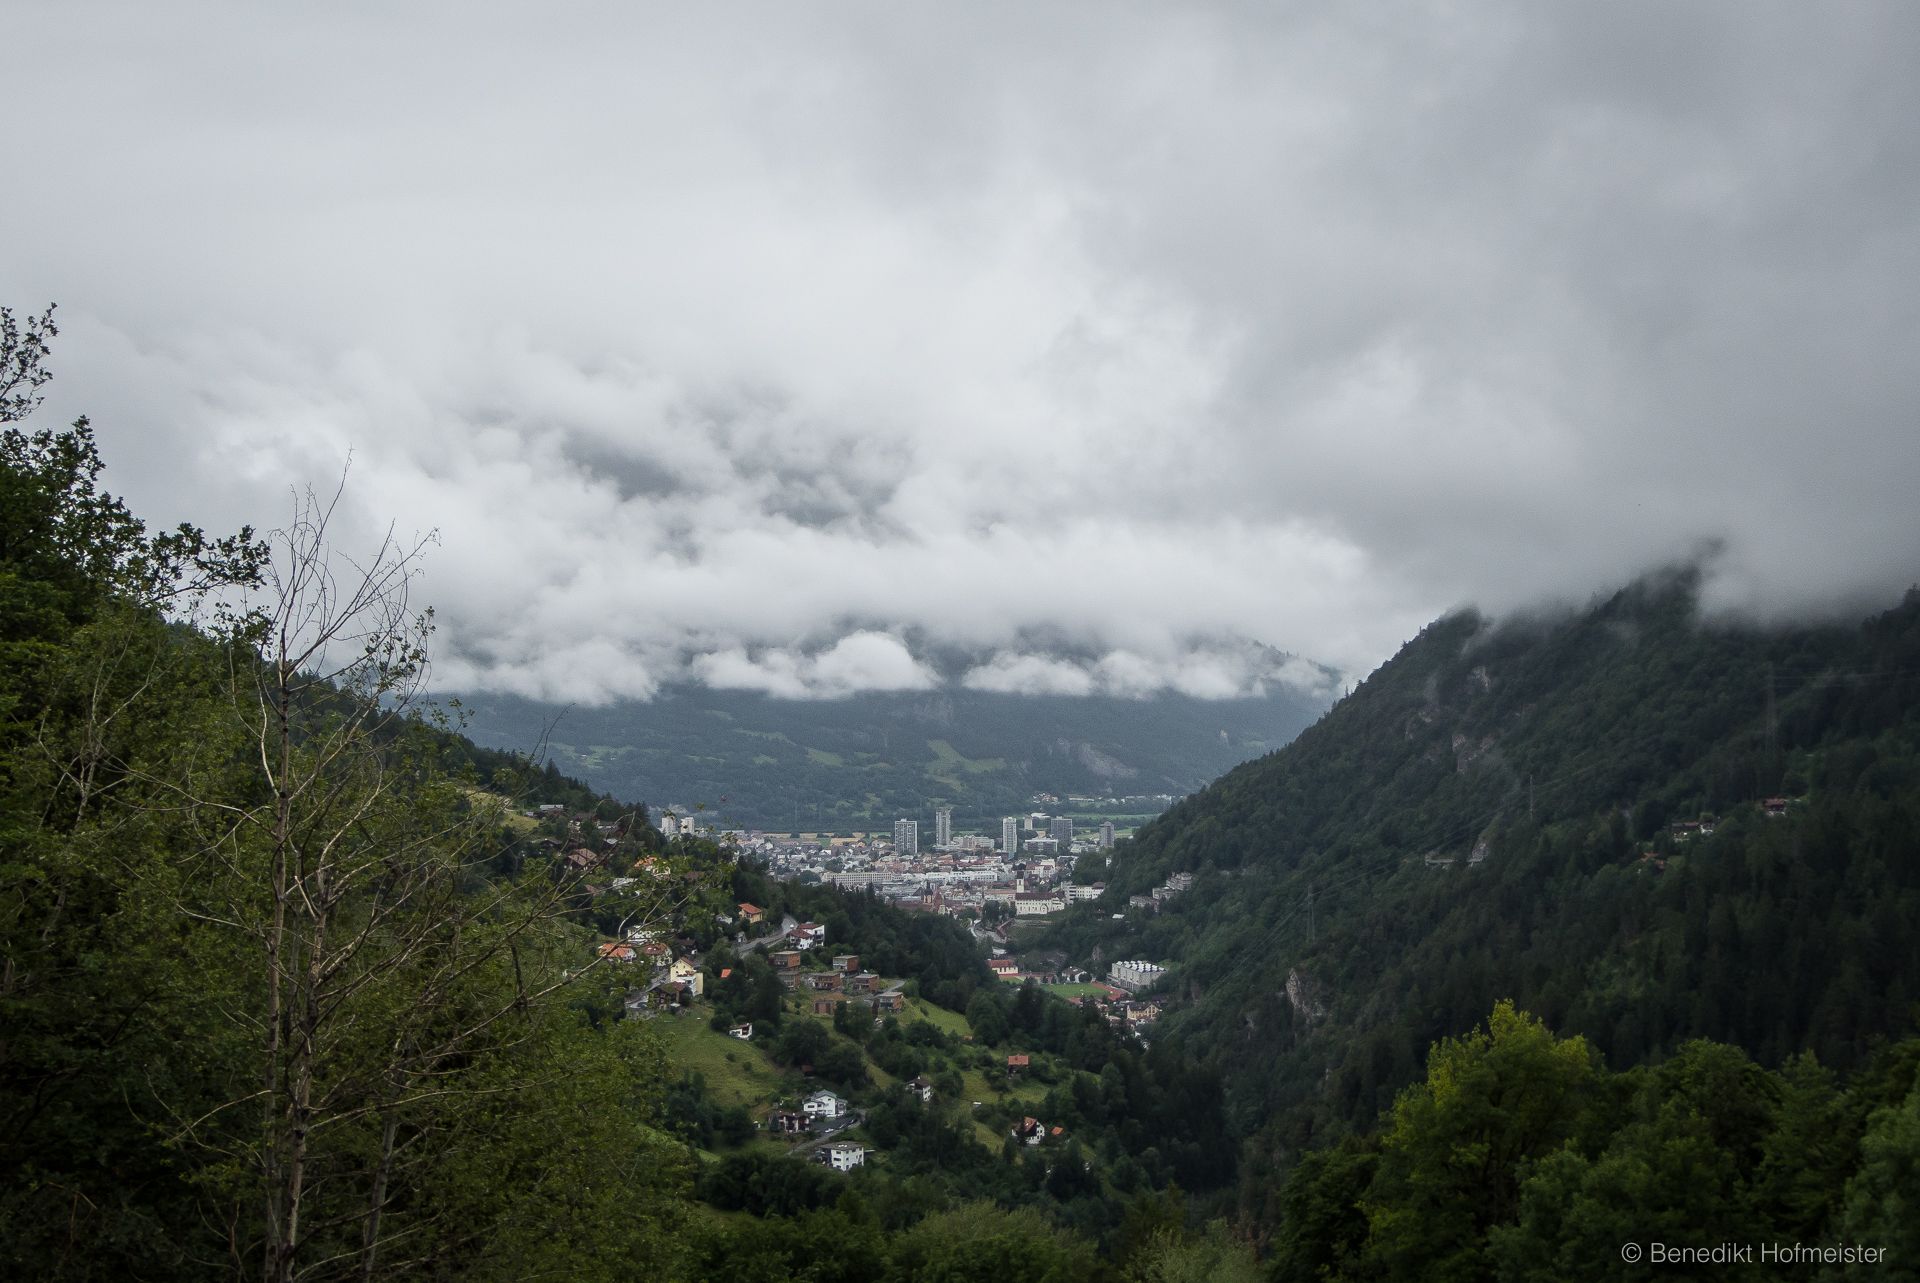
786	960
922	1087
824	1006
808	935
843	1156
743	1032
684	972
825	981
891	1000
824	1104
848	962
1005	968
752	914
789	1122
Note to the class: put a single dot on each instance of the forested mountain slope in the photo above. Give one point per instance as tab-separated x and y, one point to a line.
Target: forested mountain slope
1501	811
862	761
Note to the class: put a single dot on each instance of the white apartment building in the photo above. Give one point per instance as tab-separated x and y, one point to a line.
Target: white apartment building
906	837
1010	835
844	1156
1135	974
942	827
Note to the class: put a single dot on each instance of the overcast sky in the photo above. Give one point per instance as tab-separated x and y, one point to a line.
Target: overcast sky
784	345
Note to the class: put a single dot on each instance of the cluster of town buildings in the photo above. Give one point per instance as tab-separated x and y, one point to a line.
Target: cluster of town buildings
1027	873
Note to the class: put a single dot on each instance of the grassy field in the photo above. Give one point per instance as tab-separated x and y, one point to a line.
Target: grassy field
949	758
1076	991
947	1021
486	802
949	767
740	1073
1025	1090
737	1073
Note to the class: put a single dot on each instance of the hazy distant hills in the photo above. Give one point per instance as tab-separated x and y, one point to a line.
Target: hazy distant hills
864	760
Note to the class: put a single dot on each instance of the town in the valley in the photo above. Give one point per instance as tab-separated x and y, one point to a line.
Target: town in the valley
1002	887
994	881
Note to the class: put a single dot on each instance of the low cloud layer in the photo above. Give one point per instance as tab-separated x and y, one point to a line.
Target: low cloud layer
791	349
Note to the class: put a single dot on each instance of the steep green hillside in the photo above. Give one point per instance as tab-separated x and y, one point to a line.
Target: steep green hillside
1471	824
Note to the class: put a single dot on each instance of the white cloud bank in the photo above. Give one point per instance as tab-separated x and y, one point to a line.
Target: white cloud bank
779	347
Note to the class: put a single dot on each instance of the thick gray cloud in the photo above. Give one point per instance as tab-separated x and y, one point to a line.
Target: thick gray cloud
752	343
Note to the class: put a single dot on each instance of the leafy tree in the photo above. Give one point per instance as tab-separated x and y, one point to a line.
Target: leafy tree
988	1019
1451	1159
1323	1228
1881	1199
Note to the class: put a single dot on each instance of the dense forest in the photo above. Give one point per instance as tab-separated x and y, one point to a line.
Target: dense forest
1643	826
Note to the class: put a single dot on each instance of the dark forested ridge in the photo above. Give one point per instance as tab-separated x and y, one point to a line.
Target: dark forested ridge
1642	826
861	761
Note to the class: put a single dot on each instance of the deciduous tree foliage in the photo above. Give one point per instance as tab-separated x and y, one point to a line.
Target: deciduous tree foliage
1520	1157
265	1008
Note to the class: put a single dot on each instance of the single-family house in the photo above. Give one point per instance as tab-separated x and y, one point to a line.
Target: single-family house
752	913
743	1032
862	982
789	1122
922	1087
823	1006
848	962
1029	1131
824	1104
808	935
1017	1065
785	960
894	1000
